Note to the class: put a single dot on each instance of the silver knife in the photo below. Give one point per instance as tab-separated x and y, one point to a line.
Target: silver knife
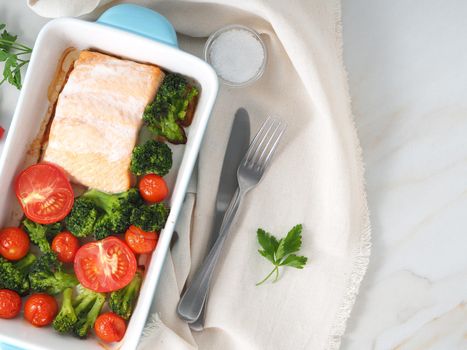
237	146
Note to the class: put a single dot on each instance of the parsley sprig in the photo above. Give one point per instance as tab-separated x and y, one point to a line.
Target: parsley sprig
281	252
15	56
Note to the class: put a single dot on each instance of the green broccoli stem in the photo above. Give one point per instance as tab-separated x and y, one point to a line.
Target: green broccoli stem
83	325
122	301
25	263
66	318
104	201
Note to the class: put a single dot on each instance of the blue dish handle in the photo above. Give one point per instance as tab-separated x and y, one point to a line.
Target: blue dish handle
142	21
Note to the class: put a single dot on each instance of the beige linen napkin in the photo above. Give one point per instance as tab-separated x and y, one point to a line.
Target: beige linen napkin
316	179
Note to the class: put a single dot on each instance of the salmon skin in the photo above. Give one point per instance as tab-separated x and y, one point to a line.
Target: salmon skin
98	117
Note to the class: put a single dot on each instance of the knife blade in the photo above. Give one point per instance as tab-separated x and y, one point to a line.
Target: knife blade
237	146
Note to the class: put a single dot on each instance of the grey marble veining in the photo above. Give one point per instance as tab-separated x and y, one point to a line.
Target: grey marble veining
407	65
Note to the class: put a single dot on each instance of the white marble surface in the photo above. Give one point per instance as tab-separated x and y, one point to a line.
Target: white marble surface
407	64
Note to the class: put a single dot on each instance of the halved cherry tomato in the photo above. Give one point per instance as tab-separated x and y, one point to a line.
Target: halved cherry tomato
14	243
110	327
65	245
141	242
45	193
106	265
153	188
40	309
10	303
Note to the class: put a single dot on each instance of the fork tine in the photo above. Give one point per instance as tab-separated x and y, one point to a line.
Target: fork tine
271	139
273	147
253	145
265	139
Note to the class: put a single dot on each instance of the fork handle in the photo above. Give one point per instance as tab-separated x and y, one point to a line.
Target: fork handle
192	301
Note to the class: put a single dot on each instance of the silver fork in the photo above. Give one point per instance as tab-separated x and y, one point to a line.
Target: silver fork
249	173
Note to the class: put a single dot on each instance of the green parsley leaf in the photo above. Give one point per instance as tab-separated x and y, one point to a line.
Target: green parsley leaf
291	243
280	252
12	53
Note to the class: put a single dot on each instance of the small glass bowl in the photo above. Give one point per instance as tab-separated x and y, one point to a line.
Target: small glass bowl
212	38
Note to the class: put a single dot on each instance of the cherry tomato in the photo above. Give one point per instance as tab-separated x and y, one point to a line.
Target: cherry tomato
10	303
65	245
2	131
40	309
110	327
45	193
14	243
141	242
105	265
153	188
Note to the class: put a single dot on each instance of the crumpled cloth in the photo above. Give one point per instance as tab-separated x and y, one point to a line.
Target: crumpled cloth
316	179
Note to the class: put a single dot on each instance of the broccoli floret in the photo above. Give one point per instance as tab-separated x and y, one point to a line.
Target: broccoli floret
150	218
103	227
102	213
179	93
66	318
87	305
114	210
80	222
41	234
46	262
172	108
14	275
46	276
123	300
152	157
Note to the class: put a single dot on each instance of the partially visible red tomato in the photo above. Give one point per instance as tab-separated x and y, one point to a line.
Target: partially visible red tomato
65	245
110	327
40	309
2	131
10	303
14	243
153	188
45	193
141	242
105	265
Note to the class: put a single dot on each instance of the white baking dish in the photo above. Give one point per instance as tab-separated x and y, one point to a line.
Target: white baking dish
32	105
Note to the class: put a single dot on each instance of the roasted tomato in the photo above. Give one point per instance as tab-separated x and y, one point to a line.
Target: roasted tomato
40	309
106	265
110	327
45	193
65	245
10	303
141	242
14	243
153	188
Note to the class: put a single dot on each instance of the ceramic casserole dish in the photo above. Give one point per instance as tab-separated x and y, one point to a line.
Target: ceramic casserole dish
130	32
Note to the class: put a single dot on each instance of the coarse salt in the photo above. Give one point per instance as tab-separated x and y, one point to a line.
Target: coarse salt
237	55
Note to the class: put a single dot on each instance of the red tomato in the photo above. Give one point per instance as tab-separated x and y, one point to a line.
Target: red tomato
45	193
10	303
141	242
153	188
65	245
110	327
105	265
14	243
40	309
2	131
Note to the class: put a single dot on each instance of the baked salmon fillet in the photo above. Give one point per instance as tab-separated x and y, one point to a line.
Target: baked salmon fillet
98	117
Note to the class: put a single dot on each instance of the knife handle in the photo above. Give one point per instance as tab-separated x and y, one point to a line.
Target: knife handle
193	299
